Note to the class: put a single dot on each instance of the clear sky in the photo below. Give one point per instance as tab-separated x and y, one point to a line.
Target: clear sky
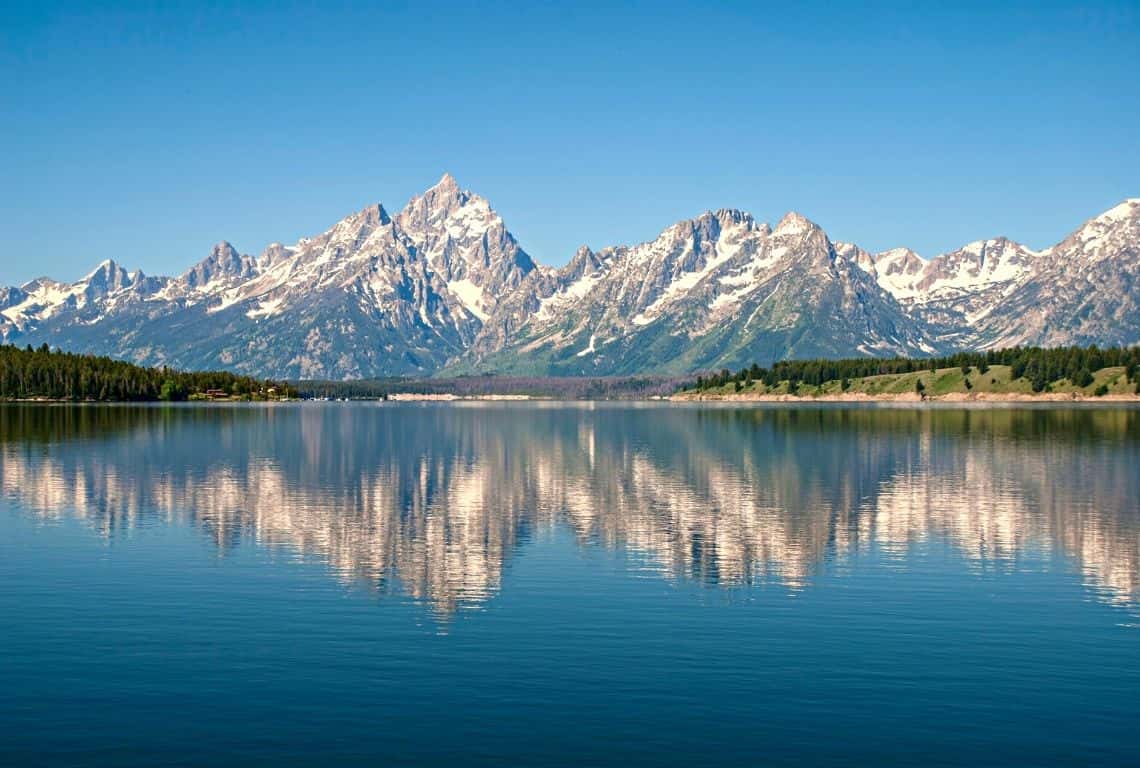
146	134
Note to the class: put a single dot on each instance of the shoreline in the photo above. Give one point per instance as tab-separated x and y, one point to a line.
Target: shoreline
406	397
681	397
910	397
72	401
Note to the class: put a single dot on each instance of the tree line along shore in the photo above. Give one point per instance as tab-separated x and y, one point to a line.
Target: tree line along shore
1019	373
1023	373
44	374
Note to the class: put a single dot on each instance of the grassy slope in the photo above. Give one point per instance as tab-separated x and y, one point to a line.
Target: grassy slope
946	381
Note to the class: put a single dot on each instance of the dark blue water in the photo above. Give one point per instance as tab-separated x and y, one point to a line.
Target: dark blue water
526	584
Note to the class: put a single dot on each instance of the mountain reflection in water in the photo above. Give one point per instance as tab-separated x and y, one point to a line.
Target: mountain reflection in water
434	499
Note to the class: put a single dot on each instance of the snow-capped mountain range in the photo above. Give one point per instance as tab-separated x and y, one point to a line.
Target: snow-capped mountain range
444	287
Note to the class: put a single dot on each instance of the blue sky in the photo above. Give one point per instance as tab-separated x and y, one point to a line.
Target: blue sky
145	134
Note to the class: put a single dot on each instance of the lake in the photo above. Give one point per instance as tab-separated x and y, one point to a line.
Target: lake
569	584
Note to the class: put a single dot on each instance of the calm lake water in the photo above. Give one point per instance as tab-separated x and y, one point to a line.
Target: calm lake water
545	584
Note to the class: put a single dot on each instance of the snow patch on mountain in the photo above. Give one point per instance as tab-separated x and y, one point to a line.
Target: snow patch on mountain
592	348
470	295
443	283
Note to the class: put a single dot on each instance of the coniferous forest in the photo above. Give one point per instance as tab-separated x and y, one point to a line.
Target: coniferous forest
1040	367
27	373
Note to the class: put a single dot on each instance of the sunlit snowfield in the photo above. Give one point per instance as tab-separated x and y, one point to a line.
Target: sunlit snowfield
546	584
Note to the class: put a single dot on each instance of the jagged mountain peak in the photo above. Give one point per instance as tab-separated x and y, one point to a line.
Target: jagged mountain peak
856	255
898	254
38	283
223	263
700	232
443	283
372	215
347	234
794	223
729	216
10	296
980	248
358	223
584	262
464	241
107	277
982	266
446	183
439	202
708	291
897	264
1102	234
104	267
273	254
1082	290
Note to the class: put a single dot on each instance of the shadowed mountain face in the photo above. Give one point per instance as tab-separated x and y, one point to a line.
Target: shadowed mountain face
443	286
436	501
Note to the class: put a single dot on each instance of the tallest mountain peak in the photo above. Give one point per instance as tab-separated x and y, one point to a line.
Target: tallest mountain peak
442	199
447	188
443	282
447	181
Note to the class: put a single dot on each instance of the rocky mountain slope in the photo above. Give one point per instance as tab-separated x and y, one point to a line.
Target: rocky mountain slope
718	290
999	293
373	295
443	286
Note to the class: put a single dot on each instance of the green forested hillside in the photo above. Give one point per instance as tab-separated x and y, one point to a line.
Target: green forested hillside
1027	370
42	373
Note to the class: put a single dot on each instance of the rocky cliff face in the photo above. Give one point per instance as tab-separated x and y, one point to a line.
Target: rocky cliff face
443	286
1084	290
998	293
371	296
718	290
